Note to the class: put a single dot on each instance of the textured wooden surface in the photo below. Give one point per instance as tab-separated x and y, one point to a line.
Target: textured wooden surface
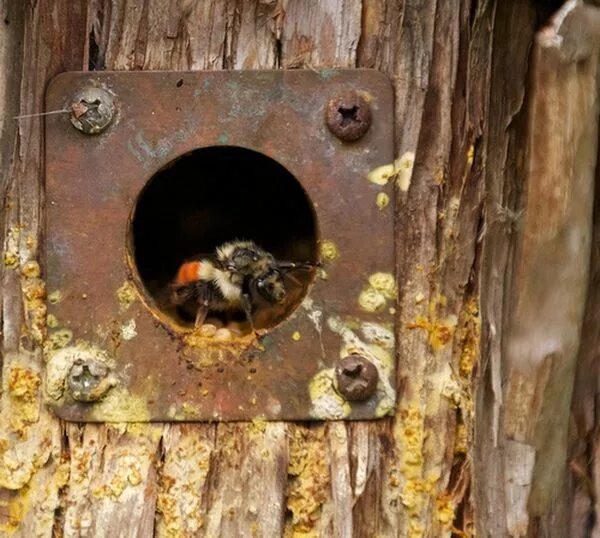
477	441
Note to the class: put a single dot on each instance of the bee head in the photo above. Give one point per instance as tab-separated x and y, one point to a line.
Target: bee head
271	287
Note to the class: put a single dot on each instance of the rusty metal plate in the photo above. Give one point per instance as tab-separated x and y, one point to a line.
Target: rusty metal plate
112	352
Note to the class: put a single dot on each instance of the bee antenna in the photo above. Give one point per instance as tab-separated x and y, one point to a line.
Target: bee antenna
286	265
290	266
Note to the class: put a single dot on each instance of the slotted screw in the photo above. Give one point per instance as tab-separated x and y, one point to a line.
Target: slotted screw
348	116
89	380
92	110
355	377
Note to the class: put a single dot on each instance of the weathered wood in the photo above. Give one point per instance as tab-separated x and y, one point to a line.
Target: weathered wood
480	149
534	328
31	468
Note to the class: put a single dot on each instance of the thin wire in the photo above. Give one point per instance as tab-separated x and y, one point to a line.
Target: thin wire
64	110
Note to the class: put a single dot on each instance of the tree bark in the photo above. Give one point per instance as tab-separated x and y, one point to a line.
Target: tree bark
496	132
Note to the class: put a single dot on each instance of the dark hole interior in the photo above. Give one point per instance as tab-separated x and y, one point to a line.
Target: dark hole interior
216	195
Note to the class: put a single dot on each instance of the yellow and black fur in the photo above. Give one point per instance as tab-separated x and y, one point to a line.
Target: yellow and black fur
239	276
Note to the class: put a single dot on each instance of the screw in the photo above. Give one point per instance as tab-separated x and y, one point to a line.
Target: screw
92	110
348	116
89	380
355	377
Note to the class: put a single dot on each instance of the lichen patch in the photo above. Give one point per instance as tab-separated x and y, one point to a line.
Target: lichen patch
34	294
381	287
126	295
55	297
329	250
384	283
11	247
404	170
382	200
439	331
326	402
308	481
120	405
371	300
382	174
129	330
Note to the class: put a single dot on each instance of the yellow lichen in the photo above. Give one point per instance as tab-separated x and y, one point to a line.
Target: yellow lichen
21	453
382	200
13	511
384	407
58	339
470	155
11	260
183	474
329	251
127	474
31	241
204	350
461	439
371	300
296	336
126	295
120	405
439	332
55	297
51	321
382	174
23	386
308	484
380	288
23	383
31	269
467	337
384	283
326	402
416	485
404	169
445	510
34	292
11	247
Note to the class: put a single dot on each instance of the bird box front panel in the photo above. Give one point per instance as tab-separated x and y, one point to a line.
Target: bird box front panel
220	245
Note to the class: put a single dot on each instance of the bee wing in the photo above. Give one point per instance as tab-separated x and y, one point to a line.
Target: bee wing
182	293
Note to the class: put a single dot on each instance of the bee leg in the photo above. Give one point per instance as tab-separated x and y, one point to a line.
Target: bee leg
294	279
201	313
247	306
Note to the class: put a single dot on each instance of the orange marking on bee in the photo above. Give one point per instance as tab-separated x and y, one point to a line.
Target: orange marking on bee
188	272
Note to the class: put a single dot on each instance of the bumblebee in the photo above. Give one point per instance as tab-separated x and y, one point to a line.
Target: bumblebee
239	277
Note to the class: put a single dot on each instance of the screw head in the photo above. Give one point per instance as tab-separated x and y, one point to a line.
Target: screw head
92	110
355	377
348	116
89	380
